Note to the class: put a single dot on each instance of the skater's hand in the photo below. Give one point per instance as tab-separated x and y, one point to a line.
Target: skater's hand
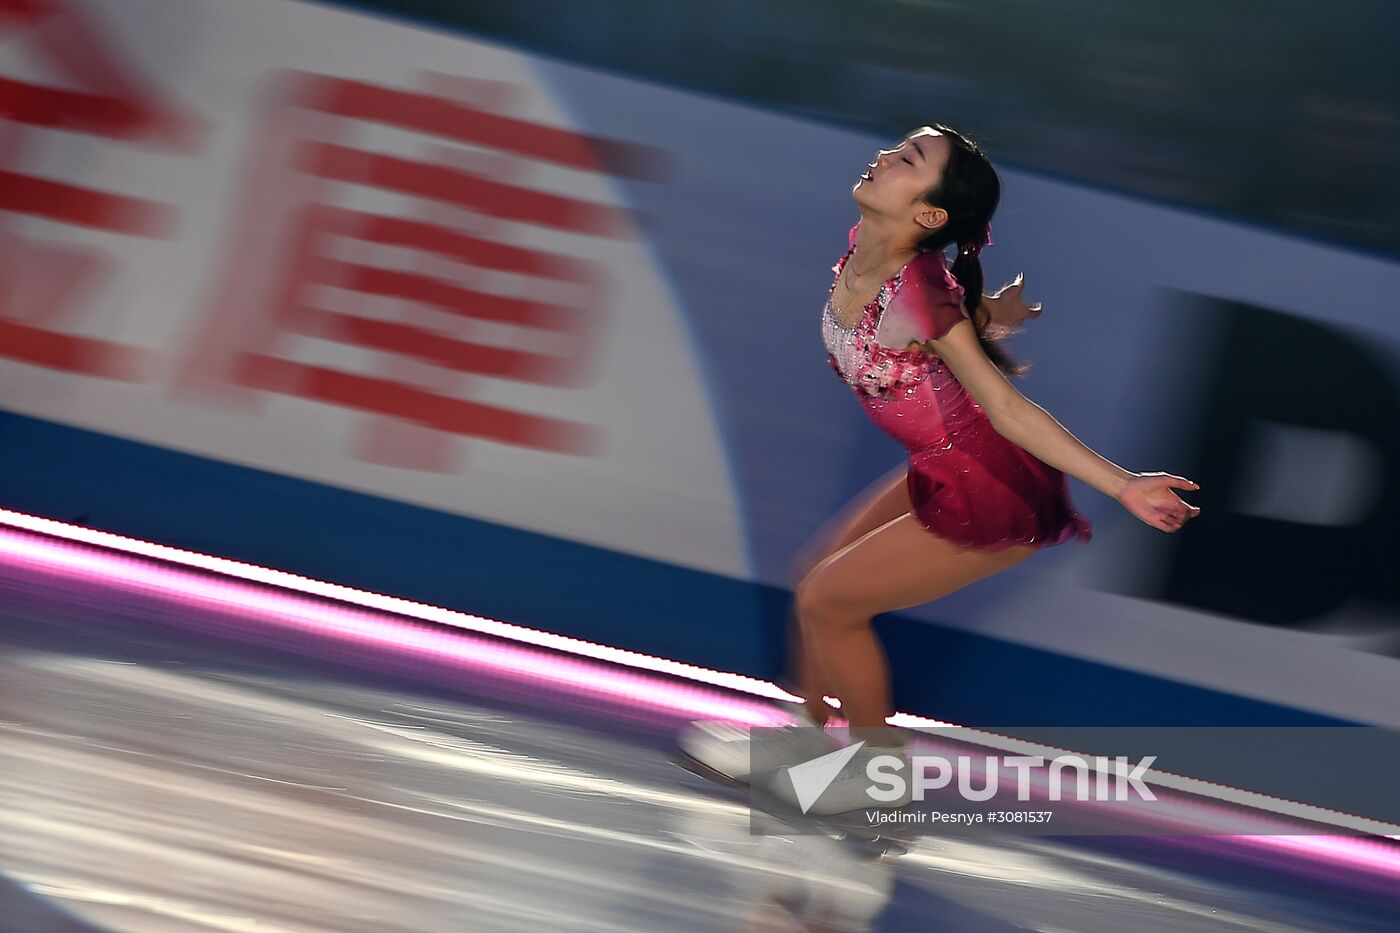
1007	309
1149	496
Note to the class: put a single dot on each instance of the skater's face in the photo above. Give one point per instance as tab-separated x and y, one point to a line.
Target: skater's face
896	182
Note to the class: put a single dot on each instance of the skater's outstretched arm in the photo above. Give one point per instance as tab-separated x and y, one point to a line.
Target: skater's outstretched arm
1148	496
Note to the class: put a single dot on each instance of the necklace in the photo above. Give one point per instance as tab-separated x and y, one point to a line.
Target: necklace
847	277
850	260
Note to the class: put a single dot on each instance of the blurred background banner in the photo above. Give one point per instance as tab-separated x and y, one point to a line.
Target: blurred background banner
435	315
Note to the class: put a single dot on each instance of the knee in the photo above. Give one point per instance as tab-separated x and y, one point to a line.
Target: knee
820	605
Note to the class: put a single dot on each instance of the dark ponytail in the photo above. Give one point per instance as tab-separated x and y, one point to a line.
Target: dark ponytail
969	191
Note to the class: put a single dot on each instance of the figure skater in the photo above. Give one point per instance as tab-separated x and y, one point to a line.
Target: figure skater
984	487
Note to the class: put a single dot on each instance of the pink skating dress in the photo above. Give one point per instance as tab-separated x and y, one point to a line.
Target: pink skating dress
968	484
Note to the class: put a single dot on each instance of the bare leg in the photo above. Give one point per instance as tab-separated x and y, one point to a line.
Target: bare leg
894	567
879	503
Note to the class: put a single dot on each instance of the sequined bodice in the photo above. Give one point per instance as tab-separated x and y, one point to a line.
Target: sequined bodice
843	343
910	393
859	358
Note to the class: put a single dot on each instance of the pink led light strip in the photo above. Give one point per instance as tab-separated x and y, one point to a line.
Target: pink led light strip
326	620
630	686
404	607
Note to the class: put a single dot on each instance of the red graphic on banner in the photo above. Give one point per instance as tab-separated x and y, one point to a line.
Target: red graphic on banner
45	286
456	321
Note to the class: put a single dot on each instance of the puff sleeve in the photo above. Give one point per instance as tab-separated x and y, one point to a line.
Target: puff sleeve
929	301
